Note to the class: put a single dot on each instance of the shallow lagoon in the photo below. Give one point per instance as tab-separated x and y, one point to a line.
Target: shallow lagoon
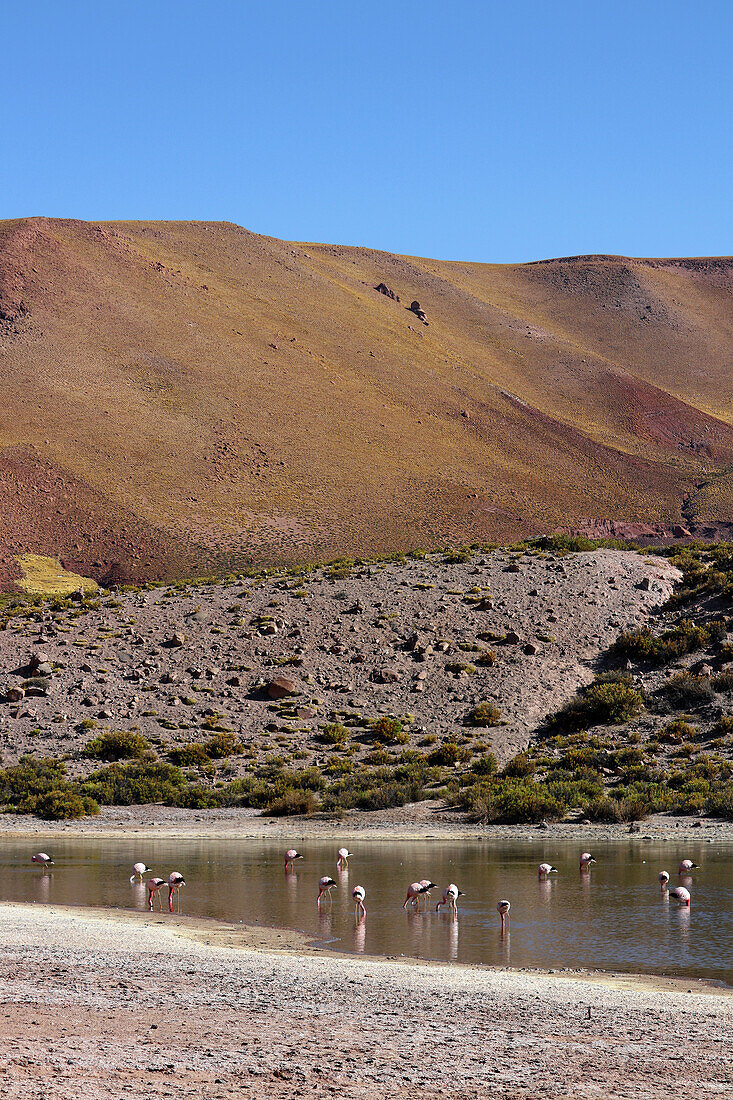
612	918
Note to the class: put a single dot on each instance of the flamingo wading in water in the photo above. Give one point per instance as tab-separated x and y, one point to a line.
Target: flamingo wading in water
358	894
325	886
290	856
154	887
502	908
451	894
415	891
546	869
343	858
585	861
175	882
686	866
663	877
138	870
680	894
43	858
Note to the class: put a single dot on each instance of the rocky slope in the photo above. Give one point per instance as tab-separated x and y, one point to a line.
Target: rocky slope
274	659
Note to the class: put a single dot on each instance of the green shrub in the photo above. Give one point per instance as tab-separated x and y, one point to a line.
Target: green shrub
222	744
720	803
616	810
335	734
485	764
484	714
117	745
724	680
676	731
62	805
520	767
604	702
685	637
190	755
135	784
445	755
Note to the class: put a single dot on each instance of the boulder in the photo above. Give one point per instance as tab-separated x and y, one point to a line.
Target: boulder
176	640
419	312
382	288
511	637
15	694
280	687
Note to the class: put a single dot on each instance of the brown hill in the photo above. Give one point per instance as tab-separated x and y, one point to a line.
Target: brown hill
181	396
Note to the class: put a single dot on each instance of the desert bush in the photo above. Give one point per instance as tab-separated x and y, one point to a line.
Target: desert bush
190	755
677	731
292	803
334	734
117	745
222	744
720	803
604	702
617	810
687	689
685	637
445	755
388	731
724	725
520	767
724	680
486	764
134	784
484	714
62	805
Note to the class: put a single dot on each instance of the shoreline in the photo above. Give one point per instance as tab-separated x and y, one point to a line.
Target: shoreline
92	1002
272	939
408	823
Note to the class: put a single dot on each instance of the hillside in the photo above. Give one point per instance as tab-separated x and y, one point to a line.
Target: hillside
184	397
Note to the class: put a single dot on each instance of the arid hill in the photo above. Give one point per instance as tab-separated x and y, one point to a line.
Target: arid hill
179	397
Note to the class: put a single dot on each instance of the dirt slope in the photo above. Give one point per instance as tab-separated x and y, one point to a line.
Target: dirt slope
192	394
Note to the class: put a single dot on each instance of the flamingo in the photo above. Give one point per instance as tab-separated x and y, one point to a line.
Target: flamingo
138	870
291	855
427	886
681	894
585	861
415	889
175	882
546	869
343	858
358	894
686	866
502	908
663	877
43	858
450	897
325	886
154	885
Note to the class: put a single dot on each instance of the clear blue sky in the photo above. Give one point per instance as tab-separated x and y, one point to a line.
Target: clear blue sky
472	130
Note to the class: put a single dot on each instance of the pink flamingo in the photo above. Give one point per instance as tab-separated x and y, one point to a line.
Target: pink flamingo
343	858
546	869
502	908
291	855
175	882
154	886
416	889
325	886
681	894
451	894
686	866
585	861
358	894
138	870
427	886
663	877
43	858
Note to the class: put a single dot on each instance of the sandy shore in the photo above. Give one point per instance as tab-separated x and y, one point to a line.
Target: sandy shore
420	821
108	1005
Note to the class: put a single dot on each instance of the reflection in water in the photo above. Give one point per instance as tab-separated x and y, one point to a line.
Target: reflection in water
615	918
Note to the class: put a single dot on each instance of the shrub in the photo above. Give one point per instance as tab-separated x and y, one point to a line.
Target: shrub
521	766
222	744
604	702
724	681
117	745
685	637
484	714
134	784
388	731
292	803
445	755
63	804
616	810
720	803
485	764
335	734
688	690
30	778
676	731
190	755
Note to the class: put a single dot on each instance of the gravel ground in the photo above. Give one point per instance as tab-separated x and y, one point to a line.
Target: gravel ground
101	1005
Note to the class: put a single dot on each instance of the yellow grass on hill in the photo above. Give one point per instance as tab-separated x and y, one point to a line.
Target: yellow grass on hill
46	577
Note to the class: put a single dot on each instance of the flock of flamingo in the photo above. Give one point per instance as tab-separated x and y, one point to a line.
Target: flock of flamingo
415	890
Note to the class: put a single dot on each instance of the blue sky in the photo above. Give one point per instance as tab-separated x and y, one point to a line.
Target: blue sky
475	130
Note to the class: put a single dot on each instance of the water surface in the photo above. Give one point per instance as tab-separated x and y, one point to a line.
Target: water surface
613	918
